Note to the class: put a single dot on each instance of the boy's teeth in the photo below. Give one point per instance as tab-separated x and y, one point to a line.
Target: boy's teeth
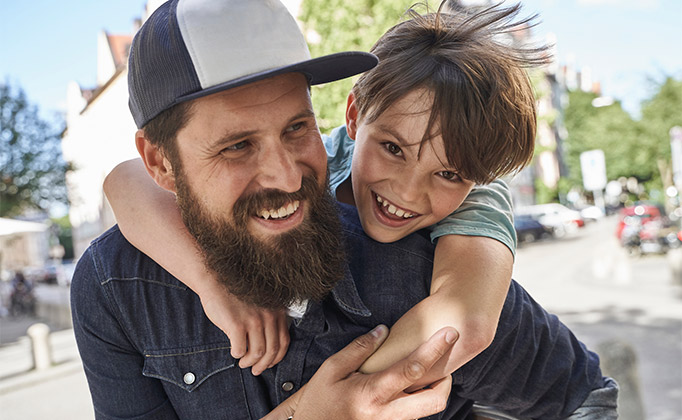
281	212
393	209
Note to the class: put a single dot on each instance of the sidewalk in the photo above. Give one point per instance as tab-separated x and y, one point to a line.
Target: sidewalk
59	392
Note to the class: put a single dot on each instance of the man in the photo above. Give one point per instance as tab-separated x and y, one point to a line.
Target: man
219	90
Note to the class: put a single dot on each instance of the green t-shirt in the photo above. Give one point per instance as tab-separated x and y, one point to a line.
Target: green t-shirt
487	210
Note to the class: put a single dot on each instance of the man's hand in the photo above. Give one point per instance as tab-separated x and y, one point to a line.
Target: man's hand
259	337
338	391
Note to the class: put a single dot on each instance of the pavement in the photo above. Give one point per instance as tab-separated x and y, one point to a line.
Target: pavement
59	392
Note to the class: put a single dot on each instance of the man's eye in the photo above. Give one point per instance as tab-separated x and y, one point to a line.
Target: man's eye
450	176
393	148
235	147
296	127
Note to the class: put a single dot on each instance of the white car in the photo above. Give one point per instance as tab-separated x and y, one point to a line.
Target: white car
558	217
593	213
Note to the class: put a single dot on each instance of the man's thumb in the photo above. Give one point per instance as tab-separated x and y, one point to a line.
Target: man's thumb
351	357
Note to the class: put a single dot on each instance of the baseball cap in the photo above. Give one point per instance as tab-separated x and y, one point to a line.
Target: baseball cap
192	48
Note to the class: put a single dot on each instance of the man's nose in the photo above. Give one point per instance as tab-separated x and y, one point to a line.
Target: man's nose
279	170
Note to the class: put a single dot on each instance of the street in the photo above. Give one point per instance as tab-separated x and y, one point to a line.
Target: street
602	294
586	279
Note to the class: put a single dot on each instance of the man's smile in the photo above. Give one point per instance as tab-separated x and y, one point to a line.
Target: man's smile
280	213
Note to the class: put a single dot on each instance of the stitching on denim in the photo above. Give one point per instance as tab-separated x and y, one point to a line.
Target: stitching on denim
146	280
365	313
187	353
184	385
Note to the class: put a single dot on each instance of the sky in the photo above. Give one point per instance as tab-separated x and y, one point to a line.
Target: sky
628	44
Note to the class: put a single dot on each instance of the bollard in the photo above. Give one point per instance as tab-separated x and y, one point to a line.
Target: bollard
674	257
619	361
40	346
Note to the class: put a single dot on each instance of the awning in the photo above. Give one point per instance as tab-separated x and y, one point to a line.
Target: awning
12	226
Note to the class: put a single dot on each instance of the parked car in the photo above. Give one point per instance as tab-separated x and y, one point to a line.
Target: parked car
559	218
591	213
528	229
641	213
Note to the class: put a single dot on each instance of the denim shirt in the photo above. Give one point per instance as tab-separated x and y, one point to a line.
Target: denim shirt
150	352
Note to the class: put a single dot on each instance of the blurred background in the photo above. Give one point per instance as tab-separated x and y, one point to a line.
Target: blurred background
598	211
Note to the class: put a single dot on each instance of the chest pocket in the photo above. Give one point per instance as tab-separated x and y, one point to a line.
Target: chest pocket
189	368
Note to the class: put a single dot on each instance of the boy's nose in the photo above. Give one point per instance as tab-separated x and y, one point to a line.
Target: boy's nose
279	170
409	187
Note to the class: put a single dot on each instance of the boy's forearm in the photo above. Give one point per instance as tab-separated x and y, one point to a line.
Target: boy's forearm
149	219
469	286
472	275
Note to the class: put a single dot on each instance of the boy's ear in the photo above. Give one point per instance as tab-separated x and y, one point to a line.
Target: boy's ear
156	163
351	116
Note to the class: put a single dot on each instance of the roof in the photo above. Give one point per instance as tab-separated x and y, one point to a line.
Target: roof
120	46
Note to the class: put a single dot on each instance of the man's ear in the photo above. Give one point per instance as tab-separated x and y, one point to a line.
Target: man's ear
351	116
156	163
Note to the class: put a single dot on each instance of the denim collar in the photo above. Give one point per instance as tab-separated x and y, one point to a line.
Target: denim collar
346	295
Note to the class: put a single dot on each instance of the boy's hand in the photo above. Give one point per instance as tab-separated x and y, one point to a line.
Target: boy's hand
259	337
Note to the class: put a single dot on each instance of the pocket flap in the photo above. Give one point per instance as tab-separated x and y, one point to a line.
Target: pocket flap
188	367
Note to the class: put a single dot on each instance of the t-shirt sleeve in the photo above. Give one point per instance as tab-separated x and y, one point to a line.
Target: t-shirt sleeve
487	211
339	148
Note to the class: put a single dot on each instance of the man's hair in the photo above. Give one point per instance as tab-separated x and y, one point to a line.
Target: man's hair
162	131
483	104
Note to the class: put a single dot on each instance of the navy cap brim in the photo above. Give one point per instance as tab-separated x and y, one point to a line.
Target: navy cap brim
318	70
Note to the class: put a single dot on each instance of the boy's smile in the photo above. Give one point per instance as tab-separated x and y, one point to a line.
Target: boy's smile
392	213
400	186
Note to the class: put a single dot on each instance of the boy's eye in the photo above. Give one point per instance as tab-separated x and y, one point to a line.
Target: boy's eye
450	176
393	148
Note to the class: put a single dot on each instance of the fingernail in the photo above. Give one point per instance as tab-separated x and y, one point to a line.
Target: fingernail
378	331
450	337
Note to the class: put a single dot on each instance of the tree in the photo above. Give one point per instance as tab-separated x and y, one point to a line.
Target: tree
609	128
659	114
639	149
344	25
32	170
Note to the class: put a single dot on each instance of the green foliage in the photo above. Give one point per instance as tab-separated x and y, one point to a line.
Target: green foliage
659	114
545	194
632	148
31	167
64	232
608	128
344	25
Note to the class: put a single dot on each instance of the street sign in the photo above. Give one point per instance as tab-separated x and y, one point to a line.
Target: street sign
676	152
593	169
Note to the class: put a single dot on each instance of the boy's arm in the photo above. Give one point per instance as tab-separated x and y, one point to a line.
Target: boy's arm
149	218
470	283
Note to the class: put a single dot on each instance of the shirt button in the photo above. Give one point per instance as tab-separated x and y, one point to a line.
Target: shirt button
287	386
189	378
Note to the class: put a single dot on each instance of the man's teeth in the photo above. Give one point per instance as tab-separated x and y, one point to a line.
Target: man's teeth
284	211
393	209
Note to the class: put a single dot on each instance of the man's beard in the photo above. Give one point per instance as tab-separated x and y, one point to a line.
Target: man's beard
303	263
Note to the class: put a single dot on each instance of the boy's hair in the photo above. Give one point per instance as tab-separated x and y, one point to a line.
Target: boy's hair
483	100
